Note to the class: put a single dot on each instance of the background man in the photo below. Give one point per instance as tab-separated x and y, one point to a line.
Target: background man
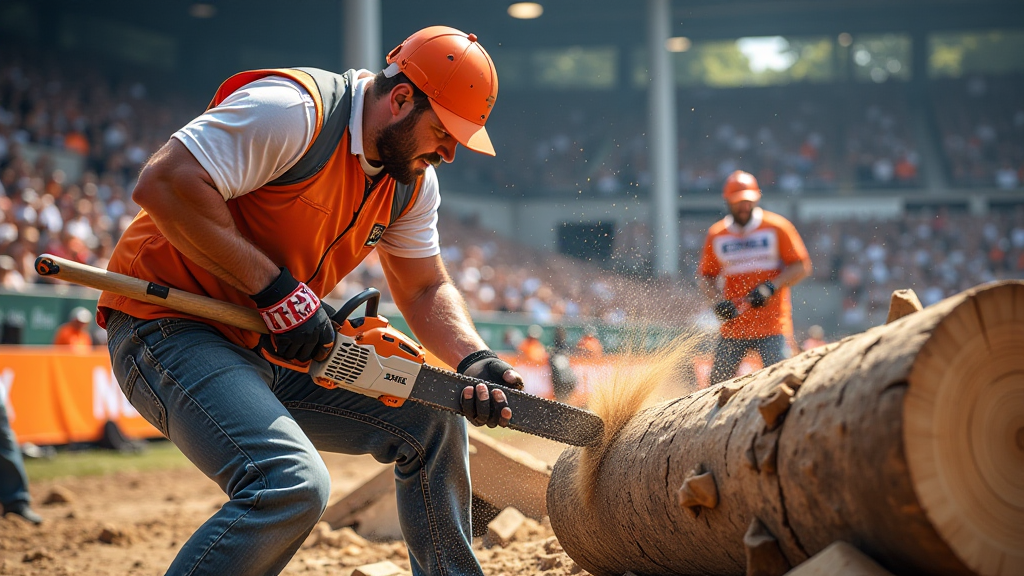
75	332
268	200
14	496
755	256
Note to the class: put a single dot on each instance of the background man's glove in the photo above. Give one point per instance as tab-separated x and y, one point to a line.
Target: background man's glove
482	405
485	365
759	296
300	328
726	310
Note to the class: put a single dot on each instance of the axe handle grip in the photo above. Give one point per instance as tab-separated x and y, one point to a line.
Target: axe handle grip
194	304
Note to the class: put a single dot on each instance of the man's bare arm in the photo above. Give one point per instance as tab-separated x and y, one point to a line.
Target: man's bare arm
432	306
792	274
180	197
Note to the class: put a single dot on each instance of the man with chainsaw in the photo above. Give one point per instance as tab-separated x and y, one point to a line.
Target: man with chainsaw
750	259
267	200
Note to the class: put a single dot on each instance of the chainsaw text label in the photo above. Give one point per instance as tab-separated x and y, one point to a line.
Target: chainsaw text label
394	378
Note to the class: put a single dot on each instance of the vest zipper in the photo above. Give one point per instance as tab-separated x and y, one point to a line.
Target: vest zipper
369	189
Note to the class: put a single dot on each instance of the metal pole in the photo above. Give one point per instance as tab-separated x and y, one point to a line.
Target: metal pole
661	113
361	47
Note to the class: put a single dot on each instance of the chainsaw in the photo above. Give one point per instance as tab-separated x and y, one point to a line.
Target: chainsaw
369	356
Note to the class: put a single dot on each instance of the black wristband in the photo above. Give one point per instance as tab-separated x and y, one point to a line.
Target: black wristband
473	358
281	287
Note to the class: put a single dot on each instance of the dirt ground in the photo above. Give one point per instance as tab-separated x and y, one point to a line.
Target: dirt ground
134	524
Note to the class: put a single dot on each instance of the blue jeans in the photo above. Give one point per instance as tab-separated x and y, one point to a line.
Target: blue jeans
729	352
13	481
255	428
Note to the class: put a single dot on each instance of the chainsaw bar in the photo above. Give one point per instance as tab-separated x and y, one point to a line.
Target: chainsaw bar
439	388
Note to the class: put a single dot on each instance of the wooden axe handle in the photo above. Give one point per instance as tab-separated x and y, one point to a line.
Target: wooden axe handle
194	304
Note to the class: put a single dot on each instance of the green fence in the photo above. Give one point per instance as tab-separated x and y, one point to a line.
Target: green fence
33	317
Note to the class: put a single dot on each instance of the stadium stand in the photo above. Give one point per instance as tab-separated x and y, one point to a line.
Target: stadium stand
796	139
981	122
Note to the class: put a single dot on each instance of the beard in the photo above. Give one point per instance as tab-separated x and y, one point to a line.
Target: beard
396	146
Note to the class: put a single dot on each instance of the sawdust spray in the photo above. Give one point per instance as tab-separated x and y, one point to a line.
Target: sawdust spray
667	370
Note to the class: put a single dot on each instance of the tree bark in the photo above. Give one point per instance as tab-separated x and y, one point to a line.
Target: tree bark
906	441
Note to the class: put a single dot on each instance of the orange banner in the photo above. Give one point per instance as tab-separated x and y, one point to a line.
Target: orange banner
54	396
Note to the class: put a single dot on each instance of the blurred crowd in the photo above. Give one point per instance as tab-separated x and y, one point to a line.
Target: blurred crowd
58	117
52	110
981	121
793	138
938	254
498	275
46	111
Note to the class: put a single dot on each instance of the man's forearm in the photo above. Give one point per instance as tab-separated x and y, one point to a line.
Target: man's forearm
193	216
792	274
440	320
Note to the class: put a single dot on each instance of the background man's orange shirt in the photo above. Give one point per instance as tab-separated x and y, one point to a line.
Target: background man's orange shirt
68	335
746	256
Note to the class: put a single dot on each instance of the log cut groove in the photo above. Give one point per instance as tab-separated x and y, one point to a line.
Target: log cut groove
906	441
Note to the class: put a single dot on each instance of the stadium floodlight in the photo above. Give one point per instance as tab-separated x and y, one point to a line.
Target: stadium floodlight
202	10
525	10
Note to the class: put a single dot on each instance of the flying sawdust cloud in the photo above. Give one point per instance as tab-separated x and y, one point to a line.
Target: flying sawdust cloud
641	371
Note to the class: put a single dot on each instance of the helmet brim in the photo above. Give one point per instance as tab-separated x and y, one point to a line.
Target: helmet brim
471	135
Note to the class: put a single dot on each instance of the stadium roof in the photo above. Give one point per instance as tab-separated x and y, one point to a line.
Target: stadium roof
242	34
563	22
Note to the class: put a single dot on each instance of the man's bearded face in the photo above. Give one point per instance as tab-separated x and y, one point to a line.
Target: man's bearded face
397	145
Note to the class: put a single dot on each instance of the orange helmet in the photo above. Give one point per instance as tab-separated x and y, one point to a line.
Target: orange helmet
740	186
457	75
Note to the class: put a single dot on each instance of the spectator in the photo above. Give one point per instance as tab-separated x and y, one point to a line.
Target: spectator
563	379
10	278
588	345
1006	177
75	332
14	494
531	349
815	338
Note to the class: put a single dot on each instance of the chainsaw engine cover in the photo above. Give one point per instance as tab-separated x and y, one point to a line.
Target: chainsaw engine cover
371	358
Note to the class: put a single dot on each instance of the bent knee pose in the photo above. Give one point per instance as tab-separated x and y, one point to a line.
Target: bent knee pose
268	200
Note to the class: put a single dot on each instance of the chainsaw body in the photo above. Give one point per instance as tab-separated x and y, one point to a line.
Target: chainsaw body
370	357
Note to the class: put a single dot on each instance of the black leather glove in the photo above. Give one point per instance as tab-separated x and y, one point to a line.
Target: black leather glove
484	411
482	407
485	365
759	296
726	310
300	328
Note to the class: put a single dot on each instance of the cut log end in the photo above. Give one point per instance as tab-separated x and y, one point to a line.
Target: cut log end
964	430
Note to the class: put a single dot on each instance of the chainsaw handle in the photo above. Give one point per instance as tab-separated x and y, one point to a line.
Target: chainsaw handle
194	304
371	296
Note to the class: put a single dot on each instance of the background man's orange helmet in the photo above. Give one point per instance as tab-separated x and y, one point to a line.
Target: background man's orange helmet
741	186
458	76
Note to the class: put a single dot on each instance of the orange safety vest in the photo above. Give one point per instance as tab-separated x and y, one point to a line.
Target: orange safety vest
748	259
319	219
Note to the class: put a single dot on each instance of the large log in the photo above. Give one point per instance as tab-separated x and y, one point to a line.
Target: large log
907	441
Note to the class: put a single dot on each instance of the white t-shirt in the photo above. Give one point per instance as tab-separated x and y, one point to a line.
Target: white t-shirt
261	130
